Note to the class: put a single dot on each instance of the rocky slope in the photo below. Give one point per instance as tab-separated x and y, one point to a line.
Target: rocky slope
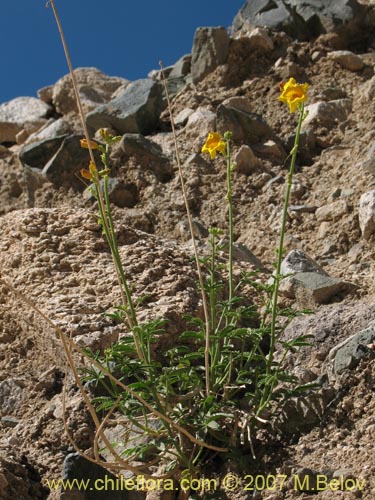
53	253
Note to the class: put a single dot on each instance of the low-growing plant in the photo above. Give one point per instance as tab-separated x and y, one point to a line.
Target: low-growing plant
224	377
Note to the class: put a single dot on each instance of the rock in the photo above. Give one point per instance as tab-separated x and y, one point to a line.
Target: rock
149	154
348	353
53	128
45	94
246	126
302	20
347	59
298	262
136	110
333	211
120	194
272	150
367	214
182	67
10	395
37	154
246	160
59	159
201	121
77	467
311	288
210	49
368	165
183	116
367	90
22	113
327	114
94	88
9	421
260	40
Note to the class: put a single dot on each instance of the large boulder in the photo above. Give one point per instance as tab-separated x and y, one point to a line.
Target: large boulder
94	88
302	19
134	111
210	49
22	114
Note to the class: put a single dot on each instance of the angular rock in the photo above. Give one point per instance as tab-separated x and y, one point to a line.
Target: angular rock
260	40
246	127
59	159
149	154
94	88
314	288
246	160
210	49
348	354
202	121
302	20
367	214
22	113
136	110
298	262
37	154
182	67
333	211
53	128
347	59
183	116
120	194
327	114
368	165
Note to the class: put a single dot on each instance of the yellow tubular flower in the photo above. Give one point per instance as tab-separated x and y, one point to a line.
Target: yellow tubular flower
214	143
85	144
294	94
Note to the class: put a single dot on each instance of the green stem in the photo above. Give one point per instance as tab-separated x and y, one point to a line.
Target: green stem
277	277
230	221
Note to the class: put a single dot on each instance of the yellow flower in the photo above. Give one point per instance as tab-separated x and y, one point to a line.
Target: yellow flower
85	144
214	143
294	94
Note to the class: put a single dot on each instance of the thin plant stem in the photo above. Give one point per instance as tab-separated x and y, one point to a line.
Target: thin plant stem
230	218
196	256
107	222
277	276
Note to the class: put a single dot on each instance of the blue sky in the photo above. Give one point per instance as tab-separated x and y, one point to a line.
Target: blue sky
120	37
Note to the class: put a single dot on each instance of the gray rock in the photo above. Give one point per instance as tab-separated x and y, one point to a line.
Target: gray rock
246	160
369	163
10	395
246	127
347	59
136	110
313	288
210	49
37	154
302	19
183	116
327	114
182	67
120	194
59	159
22	113
349	353
333	211
149	154
53	128
367	214
77	467
94	88
298	262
